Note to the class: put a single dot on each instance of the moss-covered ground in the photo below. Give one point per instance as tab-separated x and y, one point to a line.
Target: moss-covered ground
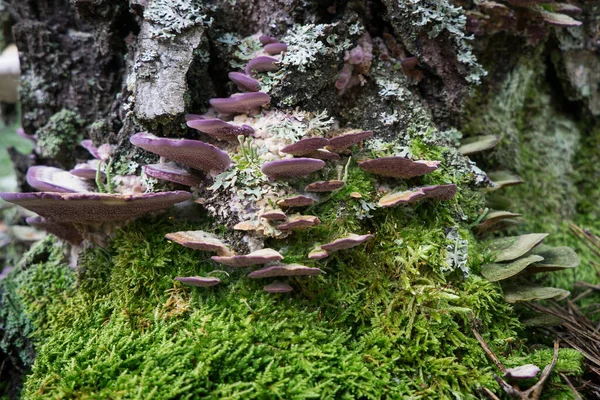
383	321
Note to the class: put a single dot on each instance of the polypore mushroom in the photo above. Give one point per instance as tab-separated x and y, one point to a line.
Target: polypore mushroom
87	170
284	270
262	64
324	186
299	222
512	247
220	130
193	153
527	371
477	144
244	82
21	132
296	201
275	48
291	167
265	40
198	281
398	167
348	242
240	103
85	208
262	256
52	179
318	254
305	146
278	287
65	231
322	154
346	140
273	215
200	240
172	173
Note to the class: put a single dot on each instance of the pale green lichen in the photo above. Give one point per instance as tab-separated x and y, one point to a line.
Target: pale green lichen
172	17
60	135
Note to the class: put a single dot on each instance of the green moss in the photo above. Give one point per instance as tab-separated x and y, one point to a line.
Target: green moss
61	134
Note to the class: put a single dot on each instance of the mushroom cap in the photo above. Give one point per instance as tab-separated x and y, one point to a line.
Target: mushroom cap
322	154
398	167
198	281
6	270
220	130
172	173
52	179
409	62
64	231
89	146
262	256
305	146
244	82
85	172
477	144
240	103
200	240
193	153
348	242
325	186
292	167
273	215
284	270
262	64
21	132
296	201
346	140
318	254
94	207
440	192
275	48
526	371
299	222
265	40
278	287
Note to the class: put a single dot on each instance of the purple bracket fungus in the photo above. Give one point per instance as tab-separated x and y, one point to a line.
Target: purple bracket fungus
65	231
318	254
440	192
220	130
296	201
291	167
278	287
398	167
101	153
275	48
172	173
261	64
305	146
477	144
87	170
89	146
6	271
241	103
348	242
198	281
200	240
21	132
299	222
284	270
244	82
325	186
265	40
322	154
193	153
273	215
346	140
191	117
527	371
262	256
52	179
82	208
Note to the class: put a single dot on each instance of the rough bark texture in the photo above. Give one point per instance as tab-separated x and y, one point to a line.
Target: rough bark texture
106	69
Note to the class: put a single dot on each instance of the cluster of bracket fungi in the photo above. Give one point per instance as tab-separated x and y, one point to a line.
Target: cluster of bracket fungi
70	209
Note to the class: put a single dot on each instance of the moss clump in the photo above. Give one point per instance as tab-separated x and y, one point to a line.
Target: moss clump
61	134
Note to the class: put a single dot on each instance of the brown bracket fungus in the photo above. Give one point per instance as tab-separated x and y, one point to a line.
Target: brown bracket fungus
324	186
244	82
262	256
192	153
262	64
273	215
63	231
284	270
346	140
398	167
440	192
305	146
241	103
299	222
278	287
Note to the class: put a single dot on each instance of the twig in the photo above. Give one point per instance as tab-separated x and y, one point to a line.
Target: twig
568	382
488	351
490	394
536	389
